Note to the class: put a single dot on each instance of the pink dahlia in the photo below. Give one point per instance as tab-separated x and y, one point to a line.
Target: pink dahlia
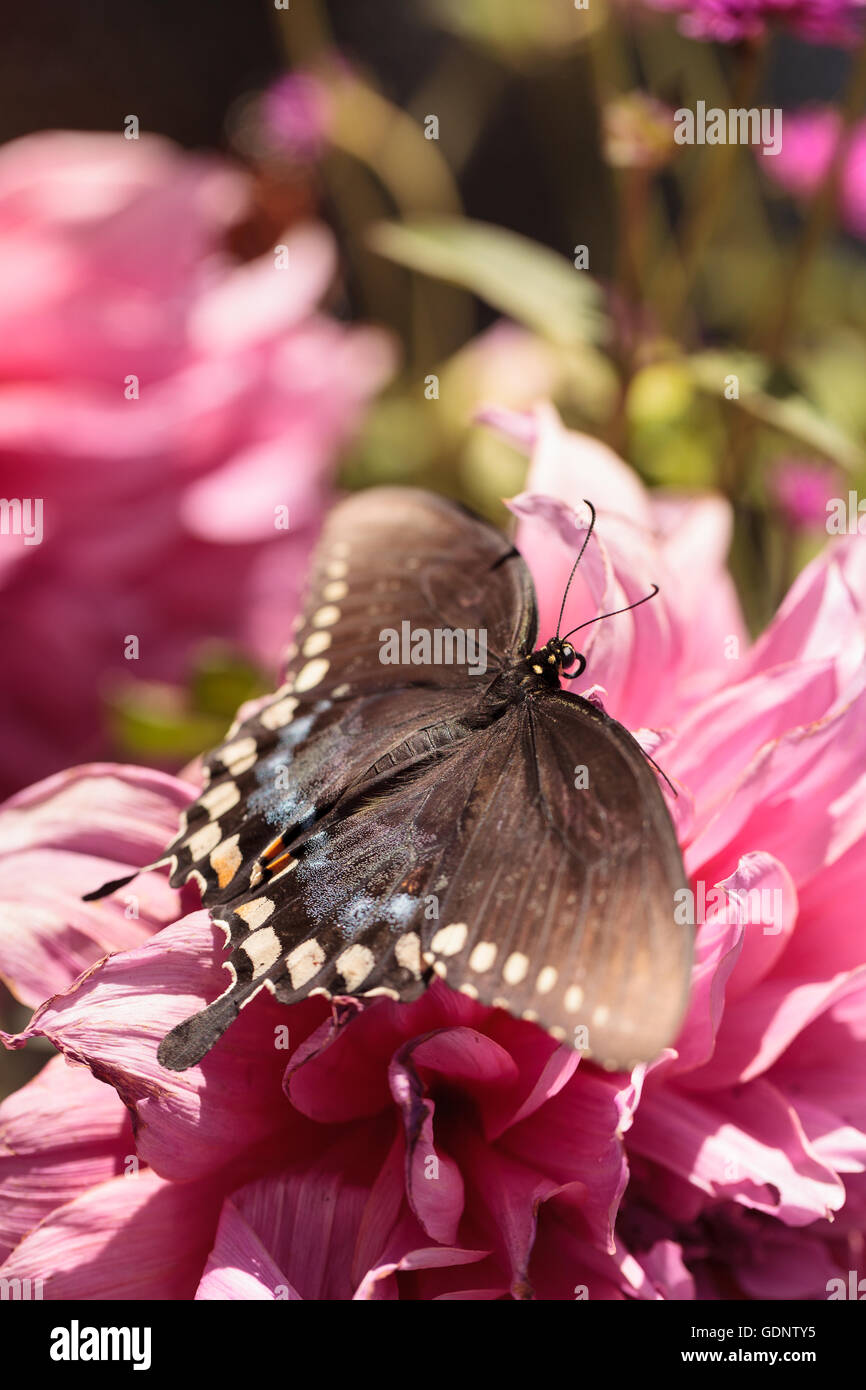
169	421
810	141
443	1149
730	21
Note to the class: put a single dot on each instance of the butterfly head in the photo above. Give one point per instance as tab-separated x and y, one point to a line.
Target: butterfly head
556	657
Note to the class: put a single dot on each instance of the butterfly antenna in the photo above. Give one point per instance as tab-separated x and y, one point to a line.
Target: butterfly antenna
646	598
577	562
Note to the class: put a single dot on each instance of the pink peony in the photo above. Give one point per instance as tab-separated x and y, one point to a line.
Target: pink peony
443	1149
730	21
158	404
808	146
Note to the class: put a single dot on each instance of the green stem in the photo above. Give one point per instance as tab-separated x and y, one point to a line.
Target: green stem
713	193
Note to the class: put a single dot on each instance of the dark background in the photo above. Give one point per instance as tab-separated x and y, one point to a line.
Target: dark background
180	65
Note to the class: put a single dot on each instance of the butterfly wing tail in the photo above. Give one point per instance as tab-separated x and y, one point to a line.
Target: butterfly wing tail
190	1041
107	889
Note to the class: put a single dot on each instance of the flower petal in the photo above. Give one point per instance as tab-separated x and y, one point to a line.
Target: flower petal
135	1237
64	837
744	1144
229	1109
61	1134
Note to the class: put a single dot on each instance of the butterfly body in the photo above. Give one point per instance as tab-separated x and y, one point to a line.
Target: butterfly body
548	663
377	823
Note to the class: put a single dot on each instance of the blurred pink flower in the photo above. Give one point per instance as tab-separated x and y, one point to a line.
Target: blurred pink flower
729	21
808	146
443	1149
801	489
296	115
160	402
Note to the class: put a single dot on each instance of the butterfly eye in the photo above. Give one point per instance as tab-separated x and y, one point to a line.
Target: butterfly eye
568	655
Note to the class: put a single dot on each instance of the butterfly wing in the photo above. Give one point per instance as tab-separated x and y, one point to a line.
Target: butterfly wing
373	823
388	559
402	561
488	867
392	563
614	961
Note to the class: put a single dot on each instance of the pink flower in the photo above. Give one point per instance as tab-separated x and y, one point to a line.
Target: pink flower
809	144
296	115
757	1112
802	488
443	1149
159	405
729	21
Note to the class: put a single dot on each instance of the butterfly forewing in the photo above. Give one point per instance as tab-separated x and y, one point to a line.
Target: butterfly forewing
402	562
385	563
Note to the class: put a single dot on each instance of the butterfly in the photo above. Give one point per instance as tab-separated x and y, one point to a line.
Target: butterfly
387	818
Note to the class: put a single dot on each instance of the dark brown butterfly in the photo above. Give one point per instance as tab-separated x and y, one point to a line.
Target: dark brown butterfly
386	817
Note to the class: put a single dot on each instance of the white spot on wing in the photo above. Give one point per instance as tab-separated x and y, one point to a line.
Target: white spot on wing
278	715
263	948
312	673
515	968
547	978
408	953
305	961
449	941
483	956
326	616
204	840
238	756
220	798
316	643
255	912
355	965
573	1000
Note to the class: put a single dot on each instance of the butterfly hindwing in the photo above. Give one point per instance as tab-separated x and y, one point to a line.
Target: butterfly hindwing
575	926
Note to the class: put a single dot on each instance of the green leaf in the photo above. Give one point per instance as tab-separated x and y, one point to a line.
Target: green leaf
796	417
222	681
530	283
150	721
792	414
516	28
